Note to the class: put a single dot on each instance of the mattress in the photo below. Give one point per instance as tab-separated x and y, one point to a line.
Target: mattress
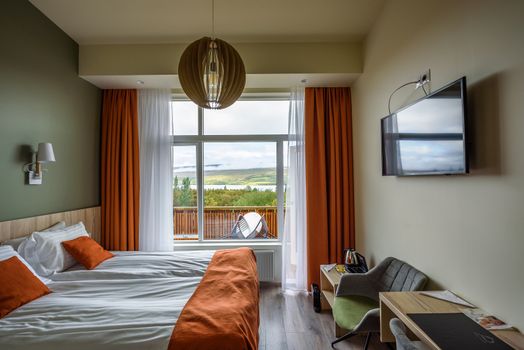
131	301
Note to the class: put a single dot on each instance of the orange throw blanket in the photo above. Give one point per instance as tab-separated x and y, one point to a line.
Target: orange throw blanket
223	311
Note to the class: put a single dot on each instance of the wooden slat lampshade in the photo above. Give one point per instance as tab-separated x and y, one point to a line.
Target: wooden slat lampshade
212	73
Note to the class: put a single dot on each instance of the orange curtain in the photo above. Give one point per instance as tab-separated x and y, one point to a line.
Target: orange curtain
329	177
120	170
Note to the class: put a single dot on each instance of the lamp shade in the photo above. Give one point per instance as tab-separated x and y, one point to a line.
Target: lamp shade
212	73
45	153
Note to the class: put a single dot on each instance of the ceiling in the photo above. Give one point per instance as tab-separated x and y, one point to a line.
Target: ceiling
180	21
253	81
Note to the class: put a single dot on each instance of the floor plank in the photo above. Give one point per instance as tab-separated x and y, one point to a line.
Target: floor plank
288	322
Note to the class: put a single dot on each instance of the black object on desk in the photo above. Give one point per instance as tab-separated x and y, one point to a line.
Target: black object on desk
354	262
456	331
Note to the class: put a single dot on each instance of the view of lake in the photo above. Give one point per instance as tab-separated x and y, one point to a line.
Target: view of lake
272	188
262	179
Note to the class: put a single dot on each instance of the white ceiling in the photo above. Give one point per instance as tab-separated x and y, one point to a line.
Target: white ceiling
179	21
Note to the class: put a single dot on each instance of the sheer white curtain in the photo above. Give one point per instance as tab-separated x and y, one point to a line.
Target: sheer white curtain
156	171
294	258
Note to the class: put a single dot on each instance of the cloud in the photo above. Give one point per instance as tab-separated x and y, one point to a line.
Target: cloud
242	118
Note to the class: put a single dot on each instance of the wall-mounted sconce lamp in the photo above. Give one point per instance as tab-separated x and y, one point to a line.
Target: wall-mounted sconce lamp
34	170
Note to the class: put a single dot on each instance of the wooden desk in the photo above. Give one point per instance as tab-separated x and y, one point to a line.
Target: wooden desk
399	304
329	281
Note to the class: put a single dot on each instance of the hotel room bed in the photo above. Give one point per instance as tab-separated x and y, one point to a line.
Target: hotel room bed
132	301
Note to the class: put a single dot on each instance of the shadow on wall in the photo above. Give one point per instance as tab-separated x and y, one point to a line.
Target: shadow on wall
372	262
433	285
25	154
484	126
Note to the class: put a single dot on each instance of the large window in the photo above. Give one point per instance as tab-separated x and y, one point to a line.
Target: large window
229	170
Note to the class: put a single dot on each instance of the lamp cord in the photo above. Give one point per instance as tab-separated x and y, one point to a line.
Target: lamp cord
213	19
400	87
424	89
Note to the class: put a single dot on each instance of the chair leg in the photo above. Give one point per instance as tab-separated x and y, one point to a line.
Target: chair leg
344	337
368	338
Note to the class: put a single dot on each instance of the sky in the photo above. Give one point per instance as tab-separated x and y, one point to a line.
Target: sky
244	117
432	155
443	115
221	156
432	115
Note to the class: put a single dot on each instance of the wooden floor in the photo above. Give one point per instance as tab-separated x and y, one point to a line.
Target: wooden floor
288	322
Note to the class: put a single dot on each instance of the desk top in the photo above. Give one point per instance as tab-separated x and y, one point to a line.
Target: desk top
332	275
402	303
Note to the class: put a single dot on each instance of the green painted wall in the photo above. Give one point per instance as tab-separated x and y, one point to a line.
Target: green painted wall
42	99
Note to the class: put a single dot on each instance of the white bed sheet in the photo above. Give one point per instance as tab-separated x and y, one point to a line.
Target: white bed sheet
132	303
127	265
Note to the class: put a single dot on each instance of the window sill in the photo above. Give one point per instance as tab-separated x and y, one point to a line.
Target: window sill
221	245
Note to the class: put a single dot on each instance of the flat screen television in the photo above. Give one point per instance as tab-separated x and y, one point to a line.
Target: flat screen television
428	137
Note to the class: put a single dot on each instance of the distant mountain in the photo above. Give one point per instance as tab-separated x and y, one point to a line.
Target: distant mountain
247	177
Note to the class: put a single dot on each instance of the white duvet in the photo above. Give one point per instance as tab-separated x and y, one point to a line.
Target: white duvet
131	301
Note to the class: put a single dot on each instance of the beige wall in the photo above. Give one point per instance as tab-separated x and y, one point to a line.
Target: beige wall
465	232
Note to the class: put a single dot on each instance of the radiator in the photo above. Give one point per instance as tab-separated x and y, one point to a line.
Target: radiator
265	265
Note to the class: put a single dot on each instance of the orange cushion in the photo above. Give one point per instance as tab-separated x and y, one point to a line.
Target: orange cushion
86	251
18	285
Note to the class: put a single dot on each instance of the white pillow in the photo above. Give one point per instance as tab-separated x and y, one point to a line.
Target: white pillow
7	251
15	243
44	250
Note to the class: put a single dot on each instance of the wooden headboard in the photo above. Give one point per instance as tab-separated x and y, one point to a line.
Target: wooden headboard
23	227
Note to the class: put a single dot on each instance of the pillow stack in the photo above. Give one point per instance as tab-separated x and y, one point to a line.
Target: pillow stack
44	251
15	243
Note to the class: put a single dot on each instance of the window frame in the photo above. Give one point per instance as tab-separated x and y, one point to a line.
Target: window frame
199	140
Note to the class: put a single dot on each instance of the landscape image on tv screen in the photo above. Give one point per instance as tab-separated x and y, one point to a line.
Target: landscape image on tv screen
426	137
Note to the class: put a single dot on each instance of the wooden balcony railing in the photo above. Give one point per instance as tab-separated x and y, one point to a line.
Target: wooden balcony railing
218	221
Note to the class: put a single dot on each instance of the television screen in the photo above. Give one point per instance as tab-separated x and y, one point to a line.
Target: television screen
427	137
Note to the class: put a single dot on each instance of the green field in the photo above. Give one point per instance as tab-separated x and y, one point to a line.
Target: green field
247	177
184	195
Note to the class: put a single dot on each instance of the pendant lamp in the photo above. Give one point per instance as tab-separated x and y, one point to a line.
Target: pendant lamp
211	72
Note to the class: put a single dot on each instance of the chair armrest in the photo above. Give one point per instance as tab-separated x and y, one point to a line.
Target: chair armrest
361	284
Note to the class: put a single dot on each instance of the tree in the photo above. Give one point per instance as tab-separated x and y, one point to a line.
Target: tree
183	196
185	193
257	198
176	192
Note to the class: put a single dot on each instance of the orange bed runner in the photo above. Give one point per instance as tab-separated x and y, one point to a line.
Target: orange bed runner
223	311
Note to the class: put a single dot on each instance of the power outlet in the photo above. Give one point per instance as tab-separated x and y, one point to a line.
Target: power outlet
424	78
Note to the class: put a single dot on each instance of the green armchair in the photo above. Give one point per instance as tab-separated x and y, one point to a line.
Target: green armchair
356	300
